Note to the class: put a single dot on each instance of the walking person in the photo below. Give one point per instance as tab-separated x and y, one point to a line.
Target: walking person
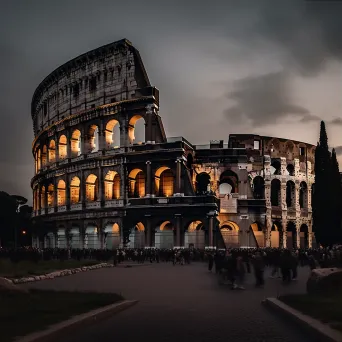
259	267
241	271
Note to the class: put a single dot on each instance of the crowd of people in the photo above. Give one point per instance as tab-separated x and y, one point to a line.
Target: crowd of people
231	265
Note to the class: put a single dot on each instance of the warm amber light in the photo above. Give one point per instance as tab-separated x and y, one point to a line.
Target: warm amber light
24	232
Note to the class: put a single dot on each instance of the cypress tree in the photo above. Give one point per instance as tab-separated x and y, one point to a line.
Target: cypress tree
322	204
336	199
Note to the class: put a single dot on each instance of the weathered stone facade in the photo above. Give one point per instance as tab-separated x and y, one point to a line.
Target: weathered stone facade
96	186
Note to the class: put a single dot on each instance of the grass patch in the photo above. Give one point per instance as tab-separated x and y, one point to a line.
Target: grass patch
327	309
9	269
21	314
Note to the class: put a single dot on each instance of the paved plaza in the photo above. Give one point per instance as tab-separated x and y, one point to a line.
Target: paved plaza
182	303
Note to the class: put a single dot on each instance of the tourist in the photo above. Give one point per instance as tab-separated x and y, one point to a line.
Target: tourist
259	266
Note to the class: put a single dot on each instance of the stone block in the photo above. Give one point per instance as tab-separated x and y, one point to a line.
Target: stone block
325	281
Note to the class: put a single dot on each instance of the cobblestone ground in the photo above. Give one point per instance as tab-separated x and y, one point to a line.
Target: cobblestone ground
182	303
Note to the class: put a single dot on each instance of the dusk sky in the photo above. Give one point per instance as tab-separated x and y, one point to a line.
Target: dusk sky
266	67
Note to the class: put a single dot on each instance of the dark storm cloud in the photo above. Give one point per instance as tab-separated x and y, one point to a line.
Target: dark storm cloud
264	100
336	121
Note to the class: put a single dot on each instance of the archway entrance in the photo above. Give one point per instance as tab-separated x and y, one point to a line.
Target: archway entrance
230	234
276	235
91	239
291	235
164	236
195	235
304	236
257	230
112	235
137	236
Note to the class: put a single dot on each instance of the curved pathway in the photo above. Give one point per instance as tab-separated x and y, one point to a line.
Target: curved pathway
182	303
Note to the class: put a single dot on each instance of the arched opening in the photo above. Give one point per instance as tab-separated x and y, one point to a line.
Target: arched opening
37	198
61	198
112	235
92	139
51	196
136	180
112	134
276	235
258	187
52	151
62	147
275	167
275	193
230	234
290	169
228	183
42	197
75	143
112	185
164	236
91	239
38	160
61	237
91	188
257	230
50	240
137	236
44	156
75	190
74	237
303	195
195	235
164	182
291	235
290	194
203	183
136	130
304	236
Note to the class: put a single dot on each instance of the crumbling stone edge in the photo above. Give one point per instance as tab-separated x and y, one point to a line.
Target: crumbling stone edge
58	331
311	325
60	273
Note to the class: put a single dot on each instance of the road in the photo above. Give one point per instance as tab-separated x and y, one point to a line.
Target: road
182	303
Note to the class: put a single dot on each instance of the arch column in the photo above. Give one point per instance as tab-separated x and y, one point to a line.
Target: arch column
211	217
309	224
284	227
83	189
148	179
101	196
56	148
178	177
268	228
68	136
297	191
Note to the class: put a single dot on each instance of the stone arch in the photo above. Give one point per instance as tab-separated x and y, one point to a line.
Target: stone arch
44	155
304	236
112	185
273	145
290	169
275	167
276	234
50	240
136	129
303	195
75	237
112	134
75	187
62	147
203	183
291	235
50	195
111	235
75	142
258	187
91	240
195	235
52	151
275	193
92	140
230	233
42	197
290	147
228	183
92	184
137	236
257	229
164	235
61	193
164	182
290	194
137	181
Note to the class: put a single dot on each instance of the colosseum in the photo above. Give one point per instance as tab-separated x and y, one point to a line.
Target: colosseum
106	175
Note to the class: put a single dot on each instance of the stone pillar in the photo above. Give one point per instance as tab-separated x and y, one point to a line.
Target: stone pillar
268	230
67	192
178	230
178	189
148	236
283	197
83	188
124	141
55	194
84	142
68	136
297	191
101	194
309	234
57	147
211	231
284	227
123	180
148	179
